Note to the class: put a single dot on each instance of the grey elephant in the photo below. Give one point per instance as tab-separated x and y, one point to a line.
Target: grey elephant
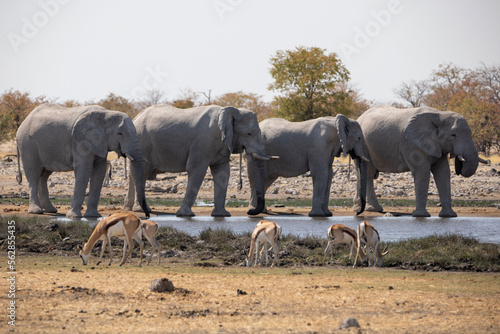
57	139
417	140
177	140
310	146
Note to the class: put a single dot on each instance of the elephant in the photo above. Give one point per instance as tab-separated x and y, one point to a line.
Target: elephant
177	140
53	138
417	140
310	146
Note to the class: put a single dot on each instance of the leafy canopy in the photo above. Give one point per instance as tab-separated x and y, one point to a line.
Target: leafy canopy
312	83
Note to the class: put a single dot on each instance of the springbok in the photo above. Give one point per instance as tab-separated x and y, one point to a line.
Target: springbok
337	234
148	230
123	225
264	232
368	235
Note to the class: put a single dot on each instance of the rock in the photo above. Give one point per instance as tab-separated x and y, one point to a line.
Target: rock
161	285
349	322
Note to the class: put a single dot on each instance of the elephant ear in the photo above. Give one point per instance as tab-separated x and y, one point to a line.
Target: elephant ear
342	125
89	132
227	117
422	130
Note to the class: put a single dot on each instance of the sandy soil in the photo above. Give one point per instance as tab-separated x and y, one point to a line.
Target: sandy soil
58	295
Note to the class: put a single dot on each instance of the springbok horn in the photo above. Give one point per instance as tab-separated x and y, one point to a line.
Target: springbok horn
385	250
461	158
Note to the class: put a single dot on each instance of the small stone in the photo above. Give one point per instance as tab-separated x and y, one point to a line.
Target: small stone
161	285
349	322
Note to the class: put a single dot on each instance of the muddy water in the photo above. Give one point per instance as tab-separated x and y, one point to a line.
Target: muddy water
485	229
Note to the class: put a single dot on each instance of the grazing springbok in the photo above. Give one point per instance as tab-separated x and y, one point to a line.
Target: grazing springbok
122	225
368	235
264	232
148	230
341	234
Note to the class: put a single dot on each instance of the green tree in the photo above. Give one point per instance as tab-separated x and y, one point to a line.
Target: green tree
187	99
118	103
14	107
311	83
249	101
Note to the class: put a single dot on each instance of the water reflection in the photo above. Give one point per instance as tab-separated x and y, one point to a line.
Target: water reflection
485	229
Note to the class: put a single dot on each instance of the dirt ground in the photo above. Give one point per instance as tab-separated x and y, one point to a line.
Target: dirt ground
59	295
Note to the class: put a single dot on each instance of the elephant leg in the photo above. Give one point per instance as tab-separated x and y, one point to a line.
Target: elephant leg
372	203
326	197
131	198
253	196
33	176
320	180
96	179
43	193
195	179
421	177
441	172
220	175
82	176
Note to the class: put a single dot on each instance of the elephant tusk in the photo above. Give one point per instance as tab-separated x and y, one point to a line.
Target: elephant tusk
461	158
260	157
129	156
486	162
273	157
365	158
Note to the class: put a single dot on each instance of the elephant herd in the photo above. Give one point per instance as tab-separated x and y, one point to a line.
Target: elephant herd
162	139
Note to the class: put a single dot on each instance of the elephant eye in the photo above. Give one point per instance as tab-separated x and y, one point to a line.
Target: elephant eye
249	134
119	133
453	135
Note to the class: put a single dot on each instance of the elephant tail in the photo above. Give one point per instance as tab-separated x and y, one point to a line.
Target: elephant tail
19	176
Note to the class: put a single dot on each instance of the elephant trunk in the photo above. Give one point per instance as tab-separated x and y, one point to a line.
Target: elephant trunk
259	177
466	164
361	167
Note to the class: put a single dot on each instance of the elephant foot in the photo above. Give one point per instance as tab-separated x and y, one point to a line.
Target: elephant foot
420	213
50	209
136	208
372	208
220	213
447	213
74	214
35	209
327	213
317	213
92	213
184	212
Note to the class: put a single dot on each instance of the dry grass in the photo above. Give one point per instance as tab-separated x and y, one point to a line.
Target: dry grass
58	294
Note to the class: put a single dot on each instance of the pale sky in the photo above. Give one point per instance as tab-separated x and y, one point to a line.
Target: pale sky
82	50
